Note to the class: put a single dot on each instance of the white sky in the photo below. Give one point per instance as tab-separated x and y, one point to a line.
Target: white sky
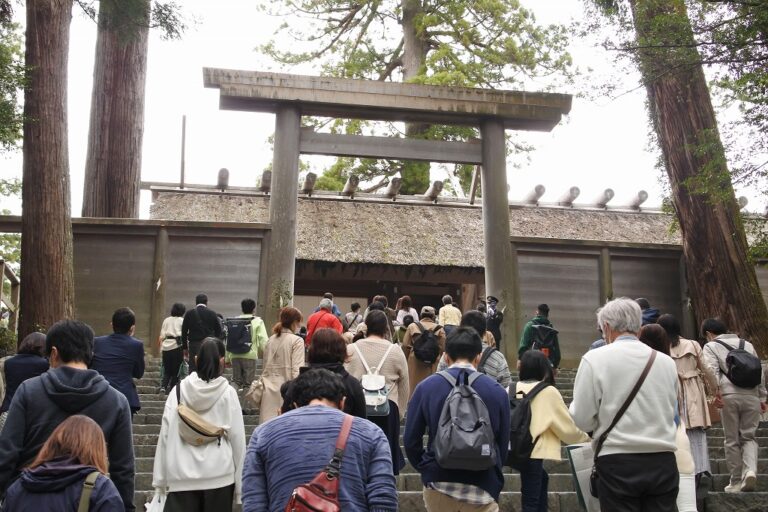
601	144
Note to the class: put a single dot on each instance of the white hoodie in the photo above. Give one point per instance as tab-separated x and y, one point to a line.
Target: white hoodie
180	466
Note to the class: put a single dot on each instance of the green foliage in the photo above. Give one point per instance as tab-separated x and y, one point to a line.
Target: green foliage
10	243
11	84
8	341
730	38
126	16
470	43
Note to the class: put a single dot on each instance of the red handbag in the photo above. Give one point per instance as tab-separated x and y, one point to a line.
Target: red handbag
322	493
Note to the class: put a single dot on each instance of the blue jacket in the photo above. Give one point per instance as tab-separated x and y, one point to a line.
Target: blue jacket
120	359
56	487
42	403
291	449
18	369
424	413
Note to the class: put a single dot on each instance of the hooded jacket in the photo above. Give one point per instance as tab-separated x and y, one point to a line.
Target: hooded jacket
180	466
528	337
42	403
56	486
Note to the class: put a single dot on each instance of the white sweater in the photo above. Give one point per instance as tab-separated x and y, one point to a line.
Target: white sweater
604	380
180	466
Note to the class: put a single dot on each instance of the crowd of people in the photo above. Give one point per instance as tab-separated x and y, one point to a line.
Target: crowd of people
332	399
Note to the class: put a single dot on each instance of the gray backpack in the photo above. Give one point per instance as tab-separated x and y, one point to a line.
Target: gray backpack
464	438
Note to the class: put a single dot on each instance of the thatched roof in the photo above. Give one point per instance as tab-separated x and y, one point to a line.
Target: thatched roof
358	231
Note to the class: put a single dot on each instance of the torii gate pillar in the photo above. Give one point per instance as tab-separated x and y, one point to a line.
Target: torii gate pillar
283	203
499	259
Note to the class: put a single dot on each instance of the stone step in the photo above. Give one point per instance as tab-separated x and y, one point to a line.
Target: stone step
412	501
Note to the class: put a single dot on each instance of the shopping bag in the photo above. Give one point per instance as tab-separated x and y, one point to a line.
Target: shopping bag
581	458
157	504
183	370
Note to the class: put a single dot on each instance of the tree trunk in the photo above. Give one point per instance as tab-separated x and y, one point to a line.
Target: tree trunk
113	165
415	175
721	276
48	292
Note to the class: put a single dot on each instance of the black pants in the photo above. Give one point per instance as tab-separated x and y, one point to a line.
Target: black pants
638	482
534	484
206	500
391	427
194	349
172	360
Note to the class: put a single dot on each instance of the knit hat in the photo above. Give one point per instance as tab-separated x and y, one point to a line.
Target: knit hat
428	311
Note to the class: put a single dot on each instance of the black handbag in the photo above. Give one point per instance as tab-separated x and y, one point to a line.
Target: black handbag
594	477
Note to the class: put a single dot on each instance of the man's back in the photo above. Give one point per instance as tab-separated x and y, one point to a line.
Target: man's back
120	359
42	403
424	412
715	355
291	449
199	323
604	381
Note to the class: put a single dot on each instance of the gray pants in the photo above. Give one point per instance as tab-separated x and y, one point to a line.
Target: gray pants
243	372
740	417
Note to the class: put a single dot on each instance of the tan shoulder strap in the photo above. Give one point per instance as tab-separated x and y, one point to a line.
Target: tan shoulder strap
85	496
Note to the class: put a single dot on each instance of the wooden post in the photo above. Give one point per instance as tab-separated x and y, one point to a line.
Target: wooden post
2	279
283	204
473	186
13	319
516	321
499	263
606	276
157	310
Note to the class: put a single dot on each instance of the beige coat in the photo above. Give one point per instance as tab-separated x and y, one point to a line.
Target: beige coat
418	370
691	396
283	356
394	369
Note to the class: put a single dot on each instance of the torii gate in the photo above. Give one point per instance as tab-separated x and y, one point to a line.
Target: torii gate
293	96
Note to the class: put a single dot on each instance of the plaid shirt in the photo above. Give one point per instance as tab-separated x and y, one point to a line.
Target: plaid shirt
465	493
496	367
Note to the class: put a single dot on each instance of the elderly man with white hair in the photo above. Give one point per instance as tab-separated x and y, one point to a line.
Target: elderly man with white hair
625	394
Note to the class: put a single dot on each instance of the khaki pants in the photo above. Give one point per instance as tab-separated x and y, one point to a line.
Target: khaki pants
243	372
439	502
740	417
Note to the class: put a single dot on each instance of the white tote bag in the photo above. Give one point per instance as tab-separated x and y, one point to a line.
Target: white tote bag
581	457
157	504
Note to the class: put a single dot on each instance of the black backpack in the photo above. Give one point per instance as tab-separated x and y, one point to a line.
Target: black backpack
544	338
237	335
520	441
425	345
742	368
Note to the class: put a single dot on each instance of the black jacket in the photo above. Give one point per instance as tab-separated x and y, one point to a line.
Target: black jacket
120	359
42	403
355	404
18	369
199	323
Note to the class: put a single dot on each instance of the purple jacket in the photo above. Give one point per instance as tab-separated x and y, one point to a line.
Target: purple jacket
56	486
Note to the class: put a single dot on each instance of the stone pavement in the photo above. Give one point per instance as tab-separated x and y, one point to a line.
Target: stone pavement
562	497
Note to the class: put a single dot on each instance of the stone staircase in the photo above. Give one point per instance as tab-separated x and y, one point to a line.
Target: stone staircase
562	497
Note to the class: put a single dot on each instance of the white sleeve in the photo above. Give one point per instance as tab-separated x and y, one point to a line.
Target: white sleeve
585	407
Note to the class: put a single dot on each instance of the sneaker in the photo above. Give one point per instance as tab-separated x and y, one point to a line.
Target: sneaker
733	488
749	482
